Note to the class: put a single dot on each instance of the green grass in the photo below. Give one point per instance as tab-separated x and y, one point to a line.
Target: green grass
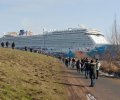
29	76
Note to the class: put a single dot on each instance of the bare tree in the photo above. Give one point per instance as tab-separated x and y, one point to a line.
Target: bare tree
113	53
116	37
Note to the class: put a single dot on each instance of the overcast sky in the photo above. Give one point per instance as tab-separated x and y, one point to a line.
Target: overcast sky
57	14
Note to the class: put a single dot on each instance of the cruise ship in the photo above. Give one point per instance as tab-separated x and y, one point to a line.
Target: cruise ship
74	39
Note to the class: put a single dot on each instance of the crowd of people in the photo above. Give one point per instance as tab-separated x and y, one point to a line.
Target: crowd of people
89	67
7	44
12	45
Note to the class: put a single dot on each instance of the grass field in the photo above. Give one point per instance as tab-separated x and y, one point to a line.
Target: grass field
29	76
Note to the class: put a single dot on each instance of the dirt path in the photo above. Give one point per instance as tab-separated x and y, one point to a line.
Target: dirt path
75	87
78	87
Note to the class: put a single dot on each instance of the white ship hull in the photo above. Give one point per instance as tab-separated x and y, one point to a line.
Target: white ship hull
60	41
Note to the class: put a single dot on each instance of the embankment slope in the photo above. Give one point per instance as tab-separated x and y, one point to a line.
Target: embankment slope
29	76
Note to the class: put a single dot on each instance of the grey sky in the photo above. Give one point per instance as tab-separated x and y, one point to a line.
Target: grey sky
57	14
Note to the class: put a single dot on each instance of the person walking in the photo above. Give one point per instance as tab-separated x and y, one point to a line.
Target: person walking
97	68
69	59
78	66
87	67
2	44
92	73
25	48
13	45
7	44
73	62
63	59
31	50
82	64
66	62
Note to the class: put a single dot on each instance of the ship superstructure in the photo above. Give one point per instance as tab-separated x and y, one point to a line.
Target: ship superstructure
73	39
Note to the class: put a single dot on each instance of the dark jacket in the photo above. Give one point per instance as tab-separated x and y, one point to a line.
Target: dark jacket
92	70
87	65
78	64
